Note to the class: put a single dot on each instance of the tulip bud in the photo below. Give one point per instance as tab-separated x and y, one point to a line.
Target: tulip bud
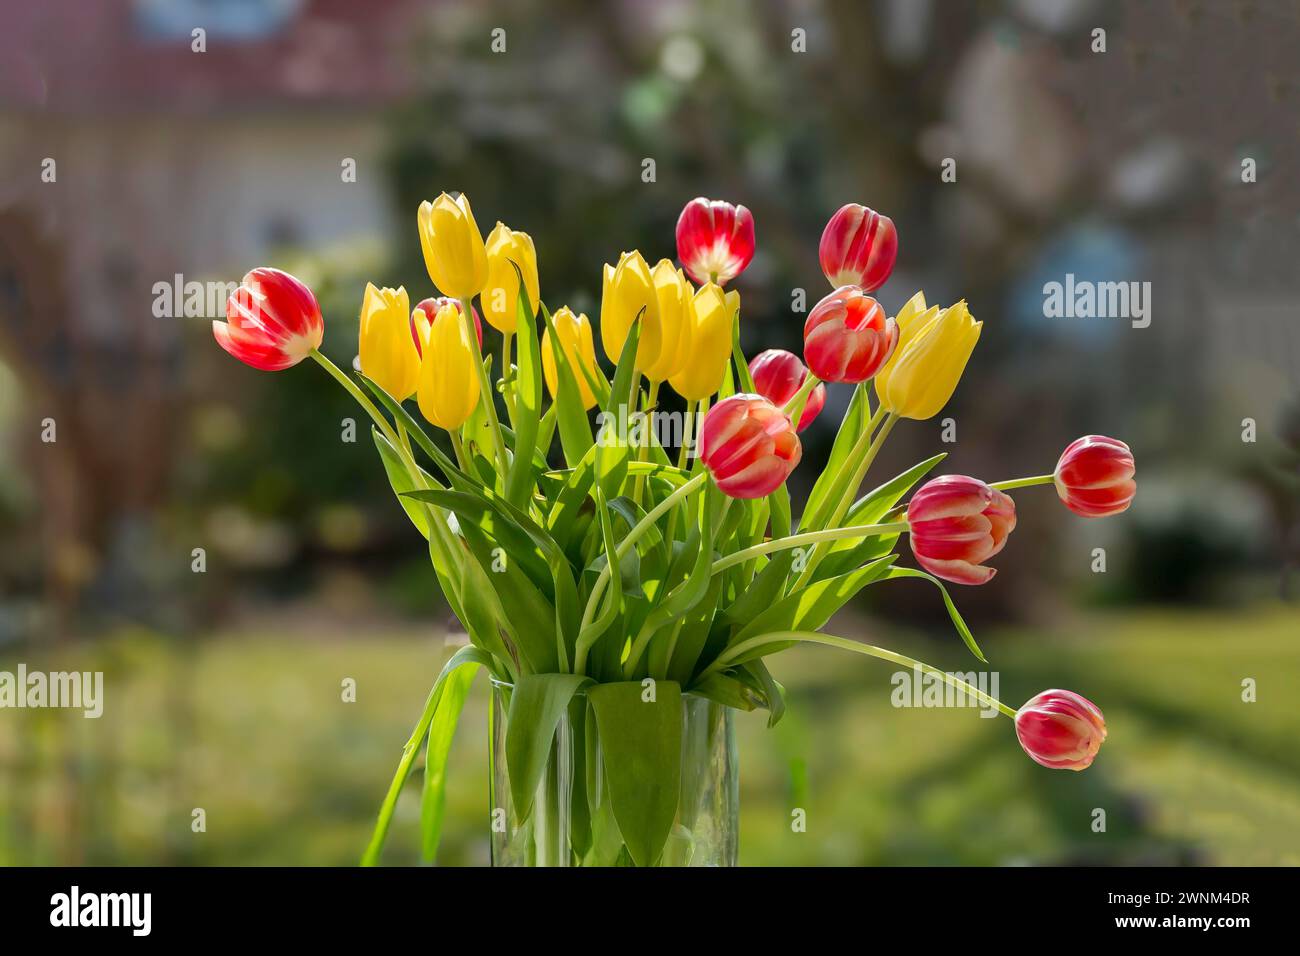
858	247
674	294
422	317
847	337
715	240
932	353
1061	730
748	445
500	296
448	390
388	356
712	313
628	292
778	375
957	523
272	321
574	332
1095	476
453	247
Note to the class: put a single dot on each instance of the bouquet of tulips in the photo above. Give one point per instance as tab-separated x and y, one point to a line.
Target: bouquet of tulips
623	571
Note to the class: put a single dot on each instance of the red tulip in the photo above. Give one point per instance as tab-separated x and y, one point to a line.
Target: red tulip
858	247
272	321
848	337
957	523
1095	476
1060	729
715	240
422	317
778	375
748	445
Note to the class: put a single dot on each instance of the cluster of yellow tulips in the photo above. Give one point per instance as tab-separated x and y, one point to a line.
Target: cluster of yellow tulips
685	331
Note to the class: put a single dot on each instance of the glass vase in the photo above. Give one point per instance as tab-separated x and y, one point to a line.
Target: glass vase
572	821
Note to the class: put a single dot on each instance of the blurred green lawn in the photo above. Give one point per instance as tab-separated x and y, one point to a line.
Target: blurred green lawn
252	728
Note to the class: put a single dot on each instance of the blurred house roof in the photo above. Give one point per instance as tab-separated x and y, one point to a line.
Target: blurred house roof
74	57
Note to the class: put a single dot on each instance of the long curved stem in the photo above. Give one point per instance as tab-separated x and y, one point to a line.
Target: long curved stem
1023	482
810	537
870	650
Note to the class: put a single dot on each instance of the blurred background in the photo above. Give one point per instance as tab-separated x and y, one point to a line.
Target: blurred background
1163	149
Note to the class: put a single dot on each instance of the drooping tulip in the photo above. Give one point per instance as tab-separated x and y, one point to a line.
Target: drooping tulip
448	390
500	296
712	313
388	356
715	240
748	445
628	292
858	247
1061	729
453	247
778	375
423	314
958	523
1095	476
847	336
272	321
675	320
932	353
574	332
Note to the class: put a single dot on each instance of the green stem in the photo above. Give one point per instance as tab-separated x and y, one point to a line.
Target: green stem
376	846
871	650
362	398
1023	482
634	535
458	447
507	376
810	537
794	408
652	396
485	387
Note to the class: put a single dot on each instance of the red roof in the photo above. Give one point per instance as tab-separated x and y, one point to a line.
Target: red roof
70	56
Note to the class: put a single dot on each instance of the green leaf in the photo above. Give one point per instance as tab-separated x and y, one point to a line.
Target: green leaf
400	479
957	621
466	655
528	400
575	429
536	706
756	674
641	746
728	691
433	797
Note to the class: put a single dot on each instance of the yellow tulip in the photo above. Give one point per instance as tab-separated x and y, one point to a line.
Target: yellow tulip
500	296
448	391
574	332
911	318
931	355
453	247
387	351
674	294
628	291
711	317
